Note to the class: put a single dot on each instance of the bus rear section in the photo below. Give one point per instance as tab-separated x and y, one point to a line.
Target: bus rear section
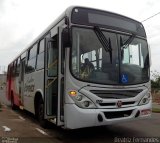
12	88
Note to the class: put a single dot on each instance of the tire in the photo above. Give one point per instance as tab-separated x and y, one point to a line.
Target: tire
13	106
40	114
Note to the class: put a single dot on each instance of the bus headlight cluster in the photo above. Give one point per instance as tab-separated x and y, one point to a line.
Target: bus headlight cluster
81	100
145	99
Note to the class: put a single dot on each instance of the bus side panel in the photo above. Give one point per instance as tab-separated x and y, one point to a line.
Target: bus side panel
33	82
8	88
15	89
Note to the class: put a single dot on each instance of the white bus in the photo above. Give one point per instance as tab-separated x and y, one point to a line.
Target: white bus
88	68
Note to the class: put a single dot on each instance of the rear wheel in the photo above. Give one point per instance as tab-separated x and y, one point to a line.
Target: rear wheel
13	106
42	121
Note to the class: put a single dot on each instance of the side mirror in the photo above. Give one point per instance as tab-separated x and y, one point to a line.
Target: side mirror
66	40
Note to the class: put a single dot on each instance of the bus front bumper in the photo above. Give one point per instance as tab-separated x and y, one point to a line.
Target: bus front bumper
76	117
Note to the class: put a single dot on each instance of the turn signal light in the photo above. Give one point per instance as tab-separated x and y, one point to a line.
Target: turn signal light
72	93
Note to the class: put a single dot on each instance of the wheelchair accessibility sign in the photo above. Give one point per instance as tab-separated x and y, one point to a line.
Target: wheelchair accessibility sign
124	78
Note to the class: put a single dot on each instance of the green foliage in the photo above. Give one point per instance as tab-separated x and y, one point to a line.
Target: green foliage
155	82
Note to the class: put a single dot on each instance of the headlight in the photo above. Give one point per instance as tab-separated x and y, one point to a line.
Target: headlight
86	103
145	99
78	97
81	100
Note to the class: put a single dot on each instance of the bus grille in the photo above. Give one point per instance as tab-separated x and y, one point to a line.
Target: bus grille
114	104
119	114
116	94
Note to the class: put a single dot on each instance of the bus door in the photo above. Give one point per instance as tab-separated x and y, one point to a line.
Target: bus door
53	80
61	66
21	81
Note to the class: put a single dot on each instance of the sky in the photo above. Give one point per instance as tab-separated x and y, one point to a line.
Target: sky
21	21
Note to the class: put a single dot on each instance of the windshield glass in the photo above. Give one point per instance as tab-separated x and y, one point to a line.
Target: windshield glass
91	62
134	60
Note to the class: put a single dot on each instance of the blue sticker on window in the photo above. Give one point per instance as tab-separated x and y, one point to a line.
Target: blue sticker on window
124	78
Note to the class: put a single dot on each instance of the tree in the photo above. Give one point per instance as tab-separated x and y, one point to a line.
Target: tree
155	82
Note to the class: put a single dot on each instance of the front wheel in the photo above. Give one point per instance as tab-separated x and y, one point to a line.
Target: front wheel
42	121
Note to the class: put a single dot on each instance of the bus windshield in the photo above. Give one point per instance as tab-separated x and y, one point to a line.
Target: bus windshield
125	62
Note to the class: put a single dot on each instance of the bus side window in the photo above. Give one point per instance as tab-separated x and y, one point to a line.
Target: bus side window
53	58
17	70
11	69
14	68
40	56
32	55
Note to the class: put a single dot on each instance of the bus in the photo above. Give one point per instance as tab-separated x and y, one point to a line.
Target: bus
89	68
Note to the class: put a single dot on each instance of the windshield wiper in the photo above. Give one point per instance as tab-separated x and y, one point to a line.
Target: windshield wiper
128	41
104	41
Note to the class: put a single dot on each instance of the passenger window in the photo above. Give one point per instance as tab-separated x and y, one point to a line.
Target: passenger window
18	67
40	56
41	46
31	65
15	67
23	55
11	68
33	51
31	59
